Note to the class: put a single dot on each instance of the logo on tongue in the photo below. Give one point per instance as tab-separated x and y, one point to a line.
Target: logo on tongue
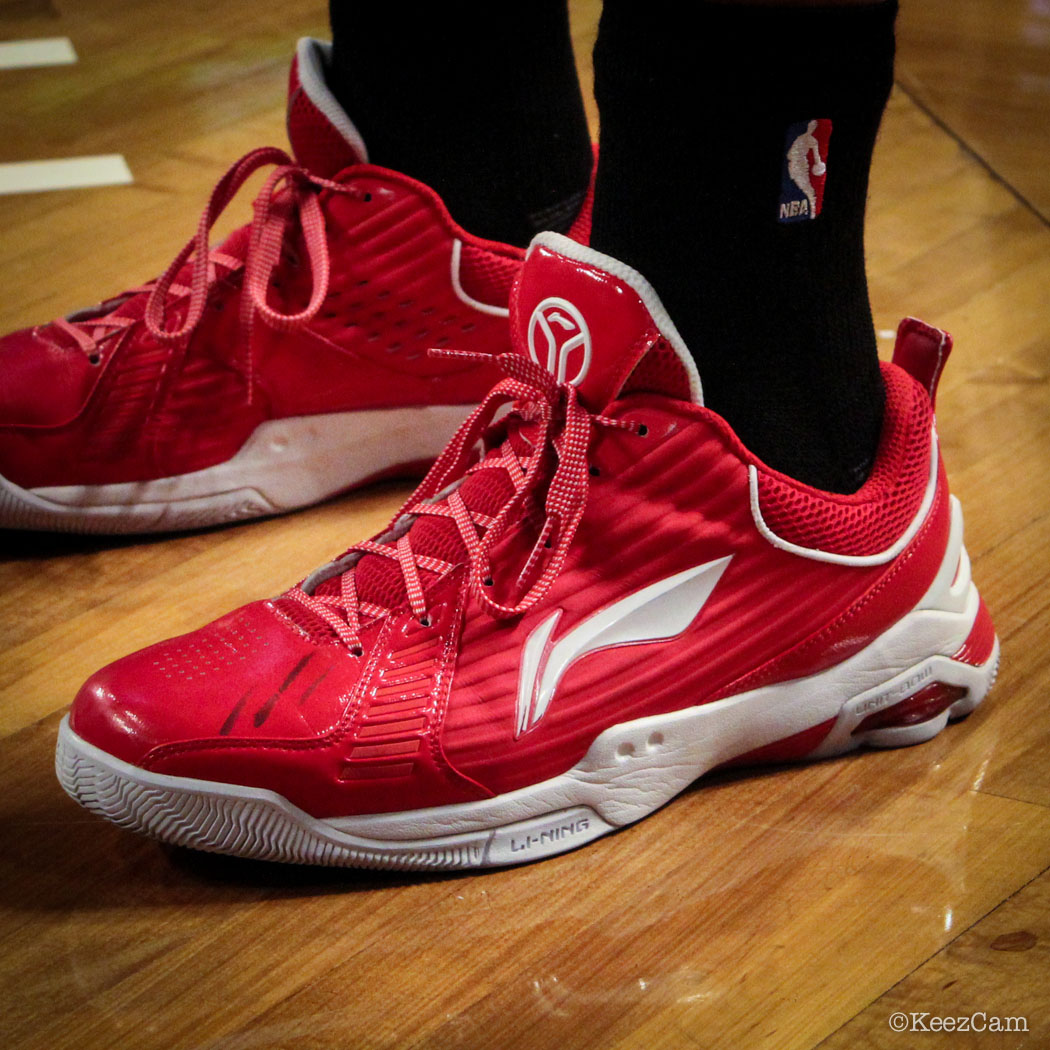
560	340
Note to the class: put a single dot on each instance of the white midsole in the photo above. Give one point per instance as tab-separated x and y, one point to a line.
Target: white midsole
286	463
633	768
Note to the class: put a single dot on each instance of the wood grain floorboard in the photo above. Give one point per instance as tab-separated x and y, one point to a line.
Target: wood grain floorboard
981	69
782	908
992	974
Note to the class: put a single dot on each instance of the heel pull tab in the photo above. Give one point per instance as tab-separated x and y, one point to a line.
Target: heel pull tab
922	350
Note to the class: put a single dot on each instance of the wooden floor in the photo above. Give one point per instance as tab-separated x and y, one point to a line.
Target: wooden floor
791	908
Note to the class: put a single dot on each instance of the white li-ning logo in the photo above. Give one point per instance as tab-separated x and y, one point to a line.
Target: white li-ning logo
560	340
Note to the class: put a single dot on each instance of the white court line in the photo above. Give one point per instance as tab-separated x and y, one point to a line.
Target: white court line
34	176
47	51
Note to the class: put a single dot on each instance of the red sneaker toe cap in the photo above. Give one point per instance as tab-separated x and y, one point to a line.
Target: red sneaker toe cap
248	676
115	718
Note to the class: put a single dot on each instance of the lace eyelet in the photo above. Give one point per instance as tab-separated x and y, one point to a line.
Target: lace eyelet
487	582
424	621
357	652
594	471
367	198
94	359
643	430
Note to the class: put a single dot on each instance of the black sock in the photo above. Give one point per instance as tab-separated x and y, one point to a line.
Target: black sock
694	189
484	107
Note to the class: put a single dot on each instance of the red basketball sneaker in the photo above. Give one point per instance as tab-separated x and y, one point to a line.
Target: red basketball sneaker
285	365
553	640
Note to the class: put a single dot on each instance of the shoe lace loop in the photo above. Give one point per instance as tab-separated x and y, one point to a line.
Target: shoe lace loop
290	193
87	335
289	190
565	428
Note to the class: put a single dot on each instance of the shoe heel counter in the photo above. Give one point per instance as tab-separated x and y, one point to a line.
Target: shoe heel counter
950	585
953	591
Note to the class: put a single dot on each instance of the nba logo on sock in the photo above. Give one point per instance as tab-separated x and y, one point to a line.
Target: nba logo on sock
805	170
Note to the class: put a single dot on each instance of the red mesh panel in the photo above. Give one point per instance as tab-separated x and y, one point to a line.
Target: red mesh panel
313	625
486	276
871	519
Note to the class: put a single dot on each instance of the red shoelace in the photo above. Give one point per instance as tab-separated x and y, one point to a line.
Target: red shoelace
290	194
564	427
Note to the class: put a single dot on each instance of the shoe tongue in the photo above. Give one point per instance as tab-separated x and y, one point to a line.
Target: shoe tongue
323	137
591	320
596	323
379	580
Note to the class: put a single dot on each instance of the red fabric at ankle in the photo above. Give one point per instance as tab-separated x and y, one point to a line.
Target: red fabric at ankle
871	519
